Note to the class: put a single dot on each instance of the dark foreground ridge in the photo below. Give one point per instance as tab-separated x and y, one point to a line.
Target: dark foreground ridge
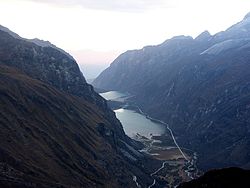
223	178
55	131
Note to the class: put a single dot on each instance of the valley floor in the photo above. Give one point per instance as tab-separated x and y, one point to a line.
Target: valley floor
178	164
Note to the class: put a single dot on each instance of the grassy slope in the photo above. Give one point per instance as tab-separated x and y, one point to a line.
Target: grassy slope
48	137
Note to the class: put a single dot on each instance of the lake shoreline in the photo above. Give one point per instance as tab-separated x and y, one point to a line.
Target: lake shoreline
178	164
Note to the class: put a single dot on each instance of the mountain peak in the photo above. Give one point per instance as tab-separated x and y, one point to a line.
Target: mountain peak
36	41
181	37
247	16
41	43
203	36
7	30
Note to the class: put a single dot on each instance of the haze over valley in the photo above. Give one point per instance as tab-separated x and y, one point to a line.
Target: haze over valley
139	93
95	32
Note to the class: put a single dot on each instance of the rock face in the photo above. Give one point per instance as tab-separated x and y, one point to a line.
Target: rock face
201	87
48	64
37	41
229	177
55	131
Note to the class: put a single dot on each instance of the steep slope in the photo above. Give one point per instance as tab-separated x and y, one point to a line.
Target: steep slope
55	130
37	41
7	30
49	138
199	86
230	177
53	67
48	64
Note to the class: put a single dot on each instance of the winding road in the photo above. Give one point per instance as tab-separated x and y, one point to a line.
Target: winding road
171	132
175	142
190	163
135	180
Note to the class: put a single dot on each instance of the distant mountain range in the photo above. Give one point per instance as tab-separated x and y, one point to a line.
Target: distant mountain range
55	131
200	87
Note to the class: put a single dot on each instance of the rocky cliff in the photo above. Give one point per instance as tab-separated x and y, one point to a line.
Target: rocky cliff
55	130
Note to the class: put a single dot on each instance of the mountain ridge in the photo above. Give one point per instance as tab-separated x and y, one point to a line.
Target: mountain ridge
36	41
64	131
199	87
228	177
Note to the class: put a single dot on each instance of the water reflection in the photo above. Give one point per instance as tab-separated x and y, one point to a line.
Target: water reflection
132	121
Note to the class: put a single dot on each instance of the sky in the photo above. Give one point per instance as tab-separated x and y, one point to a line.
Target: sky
95	32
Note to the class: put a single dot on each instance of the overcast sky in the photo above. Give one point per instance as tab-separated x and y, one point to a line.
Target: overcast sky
101	29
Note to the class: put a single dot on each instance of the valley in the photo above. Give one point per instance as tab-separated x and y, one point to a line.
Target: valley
178	164
198	87
56	131
172	115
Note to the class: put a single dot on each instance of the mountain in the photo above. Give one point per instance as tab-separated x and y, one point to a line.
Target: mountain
7	30
55	131
229	177
43	43
37	41
200	87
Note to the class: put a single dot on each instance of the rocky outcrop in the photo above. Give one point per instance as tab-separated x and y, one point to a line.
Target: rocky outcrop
53	67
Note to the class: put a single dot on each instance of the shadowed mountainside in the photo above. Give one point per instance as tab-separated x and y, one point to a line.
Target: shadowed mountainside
200	87
55	131
229	177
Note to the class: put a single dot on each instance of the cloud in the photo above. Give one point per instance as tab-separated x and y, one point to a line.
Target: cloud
110	5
